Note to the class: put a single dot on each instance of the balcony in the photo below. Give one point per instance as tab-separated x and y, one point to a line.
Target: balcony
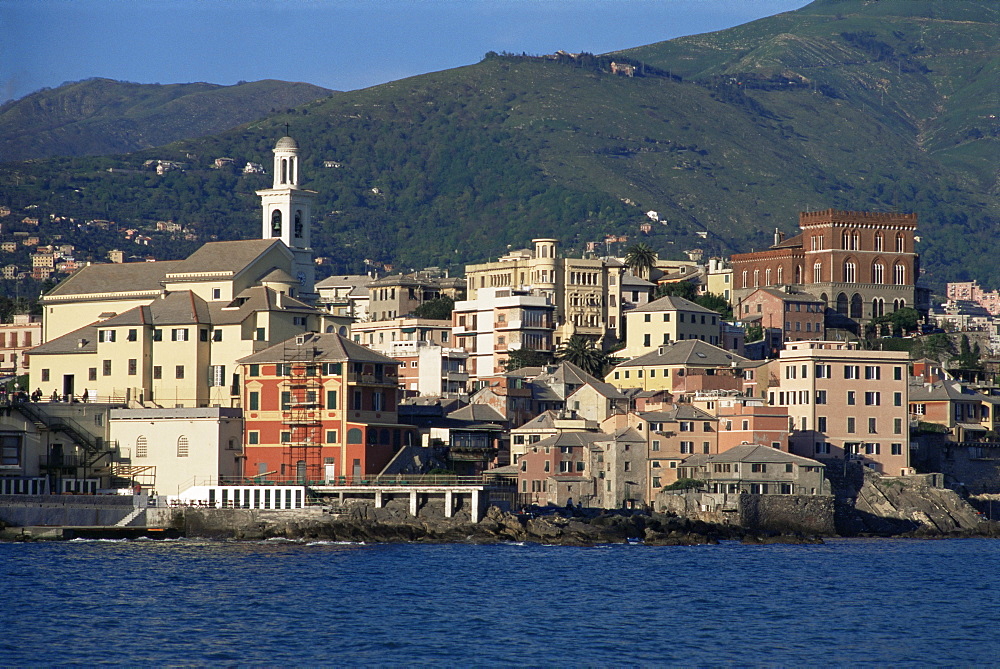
372	379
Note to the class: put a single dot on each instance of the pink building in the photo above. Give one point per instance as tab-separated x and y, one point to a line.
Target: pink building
15	340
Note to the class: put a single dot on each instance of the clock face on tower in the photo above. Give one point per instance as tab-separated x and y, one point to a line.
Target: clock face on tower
301	276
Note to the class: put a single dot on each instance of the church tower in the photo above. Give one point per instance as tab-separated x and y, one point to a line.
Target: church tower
287	213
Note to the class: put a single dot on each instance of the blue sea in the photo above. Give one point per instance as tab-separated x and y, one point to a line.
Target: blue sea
848	602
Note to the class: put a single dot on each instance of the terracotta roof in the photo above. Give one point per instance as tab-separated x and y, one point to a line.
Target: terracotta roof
758	453
483	413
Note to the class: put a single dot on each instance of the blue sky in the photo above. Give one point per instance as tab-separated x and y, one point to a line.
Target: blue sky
338	44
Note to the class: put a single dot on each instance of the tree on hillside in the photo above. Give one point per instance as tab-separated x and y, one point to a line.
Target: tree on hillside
438	309
684	289
640	259
581	351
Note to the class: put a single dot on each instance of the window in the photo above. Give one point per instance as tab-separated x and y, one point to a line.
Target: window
758	467
850	425
850	272
851	398
873	372
357	400
285	437
899	275
254	370
656	445
253	438
286	400
157	335
253	400
820	397
687	426
897	373
107	367
216	293
133	335
897	426
259	334
822	448
821	423
824	371
331	436
141	447
896	449
872	426
378	401
105	336
45	375
217	375
628	466
873	399
203	334
331	400
182	446
157	372
179	334
92	374
217	335
179	372
852	372
687	447
133	365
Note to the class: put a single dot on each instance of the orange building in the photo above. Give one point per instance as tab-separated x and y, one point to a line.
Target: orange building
319	407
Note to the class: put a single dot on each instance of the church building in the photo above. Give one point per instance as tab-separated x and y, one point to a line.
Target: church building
169	333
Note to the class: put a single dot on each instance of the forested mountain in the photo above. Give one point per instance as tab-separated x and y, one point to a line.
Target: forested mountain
852	104
102	116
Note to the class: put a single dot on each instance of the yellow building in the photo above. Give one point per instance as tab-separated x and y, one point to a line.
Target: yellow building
684	367
169	333
667	320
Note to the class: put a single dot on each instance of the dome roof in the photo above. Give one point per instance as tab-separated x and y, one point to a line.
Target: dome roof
286	142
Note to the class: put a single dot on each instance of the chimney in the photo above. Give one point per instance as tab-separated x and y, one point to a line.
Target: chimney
779	236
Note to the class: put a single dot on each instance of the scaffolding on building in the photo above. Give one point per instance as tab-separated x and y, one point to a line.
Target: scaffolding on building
302	411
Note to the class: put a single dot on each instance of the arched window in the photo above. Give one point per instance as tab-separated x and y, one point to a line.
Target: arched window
845	241
354	436
756	278
842	304
818	272
850	272
182	446
767	277
900	243
276	223
879	242
780	274
857	306
291	171
298	223
899	275
744	279
878	273
855	245
284	170
798	274
141	447
878	307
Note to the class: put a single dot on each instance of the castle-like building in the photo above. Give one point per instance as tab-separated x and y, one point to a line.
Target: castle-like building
861	265
169	333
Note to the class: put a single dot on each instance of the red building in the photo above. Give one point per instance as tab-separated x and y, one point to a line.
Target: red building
319	407
859	264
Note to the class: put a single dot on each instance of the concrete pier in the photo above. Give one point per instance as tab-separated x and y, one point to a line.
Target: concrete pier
380	493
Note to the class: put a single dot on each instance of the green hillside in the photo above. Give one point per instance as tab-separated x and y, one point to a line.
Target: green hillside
849	104
101	116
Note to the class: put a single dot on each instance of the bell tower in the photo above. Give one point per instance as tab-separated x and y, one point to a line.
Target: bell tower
287	213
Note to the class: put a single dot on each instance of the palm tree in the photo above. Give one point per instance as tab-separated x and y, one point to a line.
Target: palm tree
640	259
581	351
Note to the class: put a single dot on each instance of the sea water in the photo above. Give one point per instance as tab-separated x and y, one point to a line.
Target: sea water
848	602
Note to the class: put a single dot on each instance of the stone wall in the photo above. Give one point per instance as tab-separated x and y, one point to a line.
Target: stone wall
74	510
808	514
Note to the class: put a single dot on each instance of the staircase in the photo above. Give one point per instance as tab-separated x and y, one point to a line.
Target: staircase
94	449
127	520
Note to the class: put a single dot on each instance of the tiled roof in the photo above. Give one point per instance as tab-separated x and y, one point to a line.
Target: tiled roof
692	352
330	347
115	277
483	413
672	303
83	340
758	453
225	256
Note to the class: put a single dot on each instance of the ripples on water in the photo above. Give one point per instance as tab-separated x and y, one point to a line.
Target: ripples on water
324	603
